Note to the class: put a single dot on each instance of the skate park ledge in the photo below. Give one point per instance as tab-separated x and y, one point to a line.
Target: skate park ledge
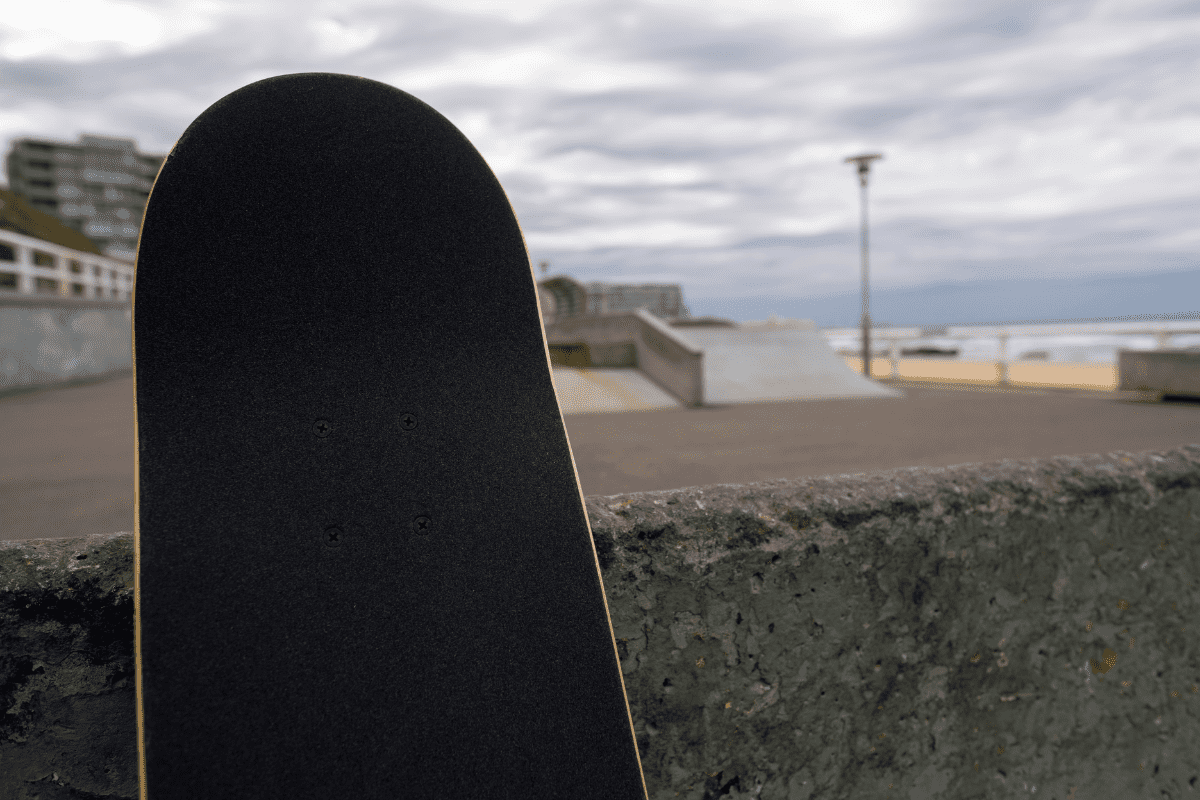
982	630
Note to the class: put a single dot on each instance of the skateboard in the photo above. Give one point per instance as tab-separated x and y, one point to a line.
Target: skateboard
364	568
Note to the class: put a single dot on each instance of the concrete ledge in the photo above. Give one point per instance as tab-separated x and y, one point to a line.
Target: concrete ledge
1159	372
666	357
973	631
59	301
69	727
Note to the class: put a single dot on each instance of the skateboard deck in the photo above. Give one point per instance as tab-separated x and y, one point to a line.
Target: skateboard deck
364	568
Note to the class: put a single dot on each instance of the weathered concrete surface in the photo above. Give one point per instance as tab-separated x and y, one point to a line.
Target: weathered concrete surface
964	632
66	669
971	631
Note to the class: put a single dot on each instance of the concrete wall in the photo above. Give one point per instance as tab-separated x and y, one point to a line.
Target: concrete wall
583	355
661	353
45	341
982	631
1160	372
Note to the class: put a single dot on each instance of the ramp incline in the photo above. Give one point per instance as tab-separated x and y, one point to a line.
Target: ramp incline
746	366
586	391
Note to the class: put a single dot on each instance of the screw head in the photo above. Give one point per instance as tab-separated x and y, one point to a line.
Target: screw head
422	524
334	536
322	428
408	420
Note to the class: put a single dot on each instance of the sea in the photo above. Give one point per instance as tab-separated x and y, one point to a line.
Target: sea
1075	343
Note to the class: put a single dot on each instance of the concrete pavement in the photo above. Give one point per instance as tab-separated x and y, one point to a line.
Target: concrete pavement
67	460
931	425
67	454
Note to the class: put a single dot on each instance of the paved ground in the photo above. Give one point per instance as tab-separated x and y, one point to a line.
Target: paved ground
67	463
66	460
930	426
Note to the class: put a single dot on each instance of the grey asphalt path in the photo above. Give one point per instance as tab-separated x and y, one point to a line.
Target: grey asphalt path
67	460
931	425
67	454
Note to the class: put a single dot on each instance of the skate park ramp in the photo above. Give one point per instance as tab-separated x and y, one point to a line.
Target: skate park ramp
598	390
747	366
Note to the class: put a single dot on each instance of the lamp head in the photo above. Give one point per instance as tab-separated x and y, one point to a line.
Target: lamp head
864	164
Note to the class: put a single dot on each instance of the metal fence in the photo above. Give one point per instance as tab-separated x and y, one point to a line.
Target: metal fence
896	337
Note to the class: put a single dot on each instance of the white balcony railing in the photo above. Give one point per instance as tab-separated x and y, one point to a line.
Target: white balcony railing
44	269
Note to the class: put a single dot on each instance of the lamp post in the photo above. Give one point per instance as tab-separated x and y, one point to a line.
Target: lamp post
864	169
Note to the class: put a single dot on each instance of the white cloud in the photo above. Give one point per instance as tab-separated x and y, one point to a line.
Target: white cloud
337	38
548	66
841	17
705	139
82	30
599	169
860	17
518	11
649	234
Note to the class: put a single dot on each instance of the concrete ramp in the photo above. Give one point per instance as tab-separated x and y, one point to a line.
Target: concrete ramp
747	366
592	390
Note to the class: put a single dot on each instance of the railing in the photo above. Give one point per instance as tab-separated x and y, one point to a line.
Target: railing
33	268
895	337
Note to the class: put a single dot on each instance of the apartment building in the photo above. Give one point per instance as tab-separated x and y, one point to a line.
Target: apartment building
98	186
660	299
569	297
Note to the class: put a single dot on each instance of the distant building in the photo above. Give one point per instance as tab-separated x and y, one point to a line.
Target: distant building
97	186
41	256
661	300
572	298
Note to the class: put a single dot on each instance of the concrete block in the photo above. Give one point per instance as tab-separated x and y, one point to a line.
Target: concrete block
984	631
1159	372
68	727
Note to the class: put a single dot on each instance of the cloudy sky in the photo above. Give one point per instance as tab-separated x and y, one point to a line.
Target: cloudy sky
1028	145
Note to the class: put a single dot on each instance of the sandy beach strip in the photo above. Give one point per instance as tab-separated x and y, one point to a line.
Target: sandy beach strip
1066	375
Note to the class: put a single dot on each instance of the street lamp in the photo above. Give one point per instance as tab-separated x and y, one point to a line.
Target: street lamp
864	169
